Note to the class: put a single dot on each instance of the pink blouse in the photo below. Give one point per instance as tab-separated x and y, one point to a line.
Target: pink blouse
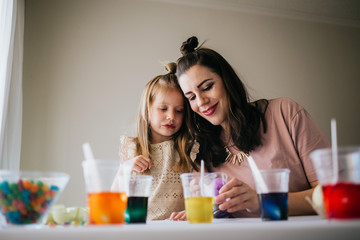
291	136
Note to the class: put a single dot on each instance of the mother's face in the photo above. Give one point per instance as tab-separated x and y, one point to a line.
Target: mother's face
206	94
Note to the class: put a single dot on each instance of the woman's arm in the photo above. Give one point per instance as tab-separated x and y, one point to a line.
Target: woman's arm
241	197
297	203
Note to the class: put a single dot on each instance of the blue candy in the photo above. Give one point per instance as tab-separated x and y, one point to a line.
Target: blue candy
14	216
54	188
5	187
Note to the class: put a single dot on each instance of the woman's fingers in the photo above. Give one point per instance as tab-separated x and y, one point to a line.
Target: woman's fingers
236	195
232	183
237	203
233	188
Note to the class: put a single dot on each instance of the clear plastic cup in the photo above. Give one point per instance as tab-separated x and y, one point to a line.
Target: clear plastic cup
199	196
106	203
138	194
341	193
274	199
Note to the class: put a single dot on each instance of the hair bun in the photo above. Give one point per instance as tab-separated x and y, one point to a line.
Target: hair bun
189	45
170	68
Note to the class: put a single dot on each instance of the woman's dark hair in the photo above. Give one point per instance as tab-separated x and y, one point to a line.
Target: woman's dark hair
244	117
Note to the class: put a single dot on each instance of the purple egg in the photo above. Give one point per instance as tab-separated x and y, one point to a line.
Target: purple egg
218	185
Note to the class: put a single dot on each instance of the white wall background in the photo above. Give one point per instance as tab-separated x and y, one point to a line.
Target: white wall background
86	63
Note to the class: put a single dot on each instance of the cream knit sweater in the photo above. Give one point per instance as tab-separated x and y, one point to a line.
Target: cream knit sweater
166	194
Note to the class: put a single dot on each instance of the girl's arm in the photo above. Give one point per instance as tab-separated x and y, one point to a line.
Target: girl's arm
142	163
127	152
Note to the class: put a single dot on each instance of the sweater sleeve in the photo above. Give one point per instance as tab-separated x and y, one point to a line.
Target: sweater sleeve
127	148
194	151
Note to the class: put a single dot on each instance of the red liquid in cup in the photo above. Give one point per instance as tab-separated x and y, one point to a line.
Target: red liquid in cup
342	200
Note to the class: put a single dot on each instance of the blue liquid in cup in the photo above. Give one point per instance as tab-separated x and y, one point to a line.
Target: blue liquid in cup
273	206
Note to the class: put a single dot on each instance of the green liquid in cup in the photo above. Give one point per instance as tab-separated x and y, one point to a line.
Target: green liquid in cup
136	210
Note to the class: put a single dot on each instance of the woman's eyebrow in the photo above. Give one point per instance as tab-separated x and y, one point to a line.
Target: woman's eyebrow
198	86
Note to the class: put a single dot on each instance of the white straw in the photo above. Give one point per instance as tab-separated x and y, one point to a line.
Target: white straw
257	175
88	154
334	150
202	170
89	157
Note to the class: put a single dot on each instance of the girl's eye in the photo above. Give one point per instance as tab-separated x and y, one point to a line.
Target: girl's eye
163	109
180	111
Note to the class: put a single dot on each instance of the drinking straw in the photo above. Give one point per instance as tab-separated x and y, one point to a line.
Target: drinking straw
202	170
89	157
334	150
257	175
88	154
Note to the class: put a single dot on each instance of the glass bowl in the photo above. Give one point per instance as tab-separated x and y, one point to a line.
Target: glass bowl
26	197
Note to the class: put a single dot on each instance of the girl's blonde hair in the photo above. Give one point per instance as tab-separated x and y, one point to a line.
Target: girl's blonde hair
182	139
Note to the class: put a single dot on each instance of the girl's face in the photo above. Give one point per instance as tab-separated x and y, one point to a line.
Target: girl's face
206	94
166	115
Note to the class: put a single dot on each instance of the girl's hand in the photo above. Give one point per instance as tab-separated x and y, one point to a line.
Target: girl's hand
141	163
178	216
239	197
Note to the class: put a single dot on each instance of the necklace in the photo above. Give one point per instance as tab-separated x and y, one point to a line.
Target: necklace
235	159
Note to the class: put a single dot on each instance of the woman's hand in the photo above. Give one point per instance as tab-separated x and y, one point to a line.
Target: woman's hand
236	196
178	216
142	163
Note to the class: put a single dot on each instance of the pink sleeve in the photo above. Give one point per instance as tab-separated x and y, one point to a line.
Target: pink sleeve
307	137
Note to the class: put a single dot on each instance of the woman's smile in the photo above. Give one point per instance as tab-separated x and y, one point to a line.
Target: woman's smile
210	110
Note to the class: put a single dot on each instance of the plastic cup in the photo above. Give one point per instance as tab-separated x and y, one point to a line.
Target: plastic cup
138	194
106	204
274	202
220	180
341	193
199	196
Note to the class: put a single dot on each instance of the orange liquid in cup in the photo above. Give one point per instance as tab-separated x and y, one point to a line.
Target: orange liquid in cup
342	200
107	207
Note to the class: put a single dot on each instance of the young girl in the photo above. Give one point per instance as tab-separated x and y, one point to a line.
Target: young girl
163	146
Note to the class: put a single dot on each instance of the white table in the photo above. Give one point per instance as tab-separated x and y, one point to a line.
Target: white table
304	228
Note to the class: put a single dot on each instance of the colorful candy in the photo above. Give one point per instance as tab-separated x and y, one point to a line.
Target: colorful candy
25	201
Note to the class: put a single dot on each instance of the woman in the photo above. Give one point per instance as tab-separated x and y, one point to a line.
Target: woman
277	133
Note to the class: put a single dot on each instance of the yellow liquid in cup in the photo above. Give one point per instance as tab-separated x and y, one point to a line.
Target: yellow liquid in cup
199	209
